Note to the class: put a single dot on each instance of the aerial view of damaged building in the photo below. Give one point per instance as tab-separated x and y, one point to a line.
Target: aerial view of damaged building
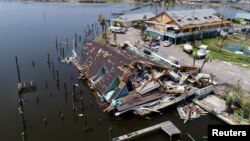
138	81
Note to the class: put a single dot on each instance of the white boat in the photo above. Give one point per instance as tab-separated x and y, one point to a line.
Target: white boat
203	46
201	53
188	48
238	52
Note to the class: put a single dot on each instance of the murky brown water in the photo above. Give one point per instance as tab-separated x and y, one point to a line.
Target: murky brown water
28	31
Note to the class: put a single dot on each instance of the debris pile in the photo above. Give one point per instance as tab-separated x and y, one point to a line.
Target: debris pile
127	81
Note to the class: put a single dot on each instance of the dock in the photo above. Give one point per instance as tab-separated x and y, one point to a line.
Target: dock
25	87
217	107
168	127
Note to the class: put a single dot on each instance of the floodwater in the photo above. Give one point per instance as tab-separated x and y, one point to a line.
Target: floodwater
28	31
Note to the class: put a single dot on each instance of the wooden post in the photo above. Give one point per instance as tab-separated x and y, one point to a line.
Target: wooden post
56	44
57	75
48	59
85	120
45	121
23	136
18	71
67	42
59	59
33	63
46	84
53	70
73	103
110	133
65	86
63	53
81	100
76	37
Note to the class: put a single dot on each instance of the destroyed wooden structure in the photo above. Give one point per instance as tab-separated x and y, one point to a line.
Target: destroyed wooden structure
168	127
127	81
24	87
190	111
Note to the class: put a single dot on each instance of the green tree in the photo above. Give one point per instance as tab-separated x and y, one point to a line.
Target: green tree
194	55
208	58
115	37
102	22
229	101
143	28
194	35
222	42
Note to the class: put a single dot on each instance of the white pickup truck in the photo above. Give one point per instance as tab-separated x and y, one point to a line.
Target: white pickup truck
117	29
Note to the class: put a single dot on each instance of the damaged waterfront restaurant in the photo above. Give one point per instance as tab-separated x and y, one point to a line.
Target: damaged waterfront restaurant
130	82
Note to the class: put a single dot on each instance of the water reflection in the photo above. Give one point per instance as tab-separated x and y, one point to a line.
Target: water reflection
28	31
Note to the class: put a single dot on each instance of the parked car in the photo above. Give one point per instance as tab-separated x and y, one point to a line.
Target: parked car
167	43
117	29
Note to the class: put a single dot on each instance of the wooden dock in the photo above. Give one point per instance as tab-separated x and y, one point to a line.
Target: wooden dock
167	126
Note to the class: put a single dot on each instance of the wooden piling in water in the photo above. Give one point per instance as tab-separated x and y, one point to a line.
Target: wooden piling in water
57	75
63	53
110	133
48	59
33	63
76	37
67	42
23	136
46	84
18	71
56	44
65	86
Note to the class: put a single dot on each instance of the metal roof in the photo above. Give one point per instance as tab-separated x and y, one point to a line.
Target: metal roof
194	17
243	16
134	17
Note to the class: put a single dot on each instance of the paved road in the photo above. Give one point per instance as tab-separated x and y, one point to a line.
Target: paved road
226	74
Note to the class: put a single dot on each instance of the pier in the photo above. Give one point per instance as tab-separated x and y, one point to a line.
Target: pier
168	127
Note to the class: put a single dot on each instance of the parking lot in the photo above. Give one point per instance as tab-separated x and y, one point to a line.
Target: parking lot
225	74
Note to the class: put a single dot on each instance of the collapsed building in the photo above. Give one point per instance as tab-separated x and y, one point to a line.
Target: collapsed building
129	81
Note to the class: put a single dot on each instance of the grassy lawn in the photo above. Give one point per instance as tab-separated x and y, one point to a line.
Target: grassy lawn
214	47
102	40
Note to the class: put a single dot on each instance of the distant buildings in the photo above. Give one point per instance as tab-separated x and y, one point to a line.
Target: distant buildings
181	26
129	20
242	18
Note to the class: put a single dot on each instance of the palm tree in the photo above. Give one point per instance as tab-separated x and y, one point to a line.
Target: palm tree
222	41
246	35
115	37
229	101
208	58
194	55
194	34
102	22
143	28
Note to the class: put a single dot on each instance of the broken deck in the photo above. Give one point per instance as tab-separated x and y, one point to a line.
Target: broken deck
167	126
24	87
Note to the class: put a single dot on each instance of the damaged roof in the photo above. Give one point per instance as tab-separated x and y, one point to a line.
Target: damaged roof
134	17
111	59
196	16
